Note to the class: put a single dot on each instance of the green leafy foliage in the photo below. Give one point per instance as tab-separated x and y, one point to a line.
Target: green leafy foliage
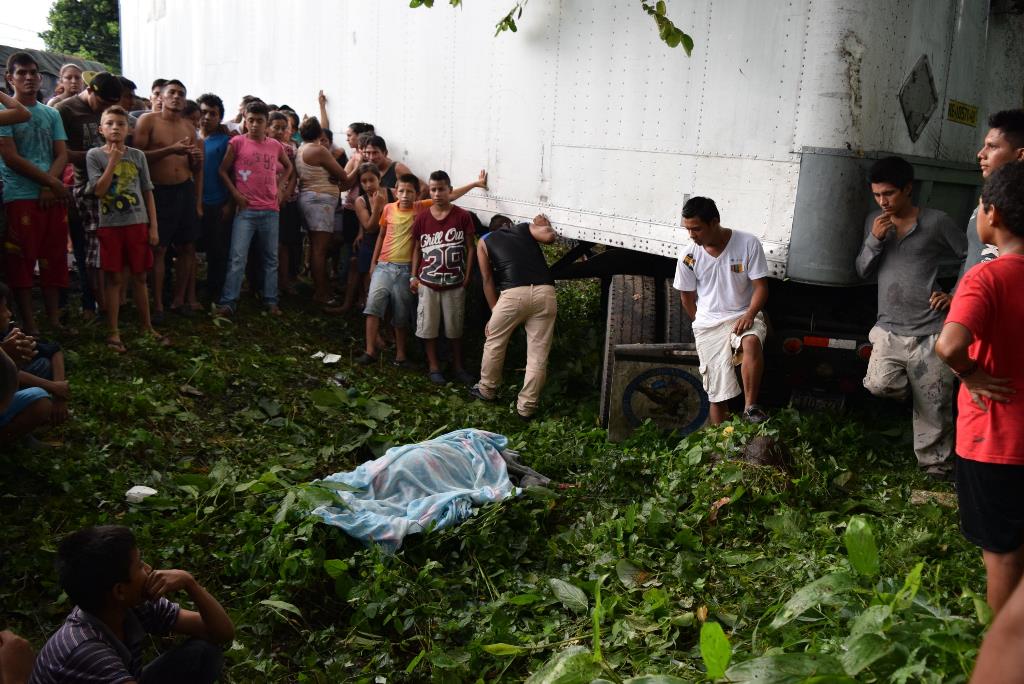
617	578
87	28
860	545
668	32
714	649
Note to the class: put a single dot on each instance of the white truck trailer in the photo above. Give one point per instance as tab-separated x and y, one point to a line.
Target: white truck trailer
586	116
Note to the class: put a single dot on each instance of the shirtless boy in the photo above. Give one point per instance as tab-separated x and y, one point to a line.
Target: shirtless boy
175	161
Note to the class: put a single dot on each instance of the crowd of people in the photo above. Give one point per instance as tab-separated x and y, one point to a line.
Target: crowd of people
141	191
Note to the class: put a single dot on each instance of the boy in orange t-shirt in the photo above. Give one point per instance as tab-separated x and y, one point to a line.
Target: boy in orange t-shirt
390	267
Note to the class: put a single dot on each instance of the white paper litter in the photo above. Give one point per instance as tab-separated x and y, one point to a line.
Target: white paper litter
137	493
318	355
332	358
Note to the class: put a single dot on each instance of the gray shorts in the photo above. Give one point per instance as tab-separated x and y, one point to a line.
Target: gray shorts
389	286
437	305
318	211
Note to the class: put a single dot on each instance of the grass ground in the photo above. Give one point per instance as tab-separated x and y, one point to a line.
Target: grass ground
833	569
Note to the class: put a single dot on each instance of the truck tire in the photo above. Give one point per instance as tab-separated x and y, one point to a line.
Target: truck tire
677	323
632	319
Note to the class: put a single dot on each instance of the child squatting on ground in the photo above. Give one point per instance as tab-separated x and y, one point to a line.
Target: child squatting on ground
119	600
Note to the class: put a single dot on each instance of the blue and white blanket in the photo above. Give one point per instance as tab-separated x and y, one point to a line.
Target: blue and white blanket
411	487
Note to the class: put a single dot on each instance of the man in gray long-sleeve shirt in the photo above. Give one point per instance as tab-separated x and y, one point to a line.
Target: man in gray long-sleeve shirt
904	246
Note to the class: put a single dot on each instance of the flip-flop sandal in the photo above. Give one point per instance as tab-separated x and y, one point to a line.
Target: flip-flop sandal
159	340
116	345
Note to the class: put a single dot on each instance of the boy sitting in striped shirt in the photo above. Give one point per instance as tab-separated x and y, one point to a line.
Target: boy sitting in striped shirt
119	600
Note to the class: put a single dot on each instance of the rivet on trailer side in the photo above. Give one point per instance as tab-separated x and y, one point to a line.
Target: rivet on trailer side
585	116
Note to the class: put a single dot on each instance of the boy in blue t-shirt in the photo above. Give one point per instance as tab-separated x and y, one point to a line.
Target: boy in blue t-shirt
218	209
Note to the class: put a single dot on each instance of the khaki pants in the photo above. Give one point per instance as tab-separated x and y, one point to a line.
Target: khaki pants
900	364
535	307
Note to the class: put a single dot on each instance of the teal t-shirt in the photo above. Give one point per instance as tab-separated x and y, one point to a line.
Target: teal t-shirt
34	141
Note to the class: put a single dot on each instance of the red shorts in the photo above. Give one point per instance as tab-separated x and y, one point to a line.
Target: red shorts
36	234
125	246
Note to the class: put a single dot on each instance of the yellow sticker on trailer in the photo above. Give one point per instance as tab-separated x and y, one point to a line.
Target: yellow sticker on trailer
962	113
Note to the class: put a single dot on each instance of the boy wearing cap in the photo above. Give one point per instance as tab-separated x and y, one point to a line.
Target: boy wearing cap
81	118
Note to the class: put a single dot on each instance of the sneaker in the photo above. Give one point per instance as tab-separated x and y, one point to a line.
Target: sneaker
477	394
403	363
365	359
224	311
437	377
940	474
463	377
525	418
755	414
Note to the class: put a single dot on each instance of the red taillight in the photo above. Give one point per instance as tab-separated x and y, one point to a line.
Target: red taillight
792	345
864	351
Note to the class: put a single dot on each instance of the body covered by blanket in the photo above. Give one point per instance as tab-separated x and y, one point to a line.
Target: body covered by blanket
410	487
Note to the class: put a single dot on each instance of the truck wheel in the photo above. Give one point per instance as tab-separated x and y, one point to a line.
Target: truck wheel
632	319
677	323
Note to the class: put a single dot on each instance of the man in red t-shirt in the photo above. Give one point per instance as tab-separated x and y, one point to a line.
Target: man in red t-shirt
980	342
442	262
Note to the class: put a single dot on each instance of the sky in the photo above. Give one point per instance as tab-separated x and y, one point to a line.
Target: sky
21	20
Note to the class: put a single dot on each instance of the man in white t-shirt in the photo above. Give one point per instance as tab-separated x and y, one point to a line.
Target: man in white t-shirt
722	283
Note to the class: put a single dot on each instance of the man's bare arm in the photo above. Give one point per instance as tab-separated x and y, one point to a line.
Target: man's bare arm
23	167
952	347
210	623
229	182
757	302
414	269
322	100
480	182
15	113
470	259
542	231
490	290
688	298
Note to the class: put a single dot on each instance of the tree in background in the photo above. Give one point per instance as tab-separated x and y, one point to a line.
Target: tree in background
87	28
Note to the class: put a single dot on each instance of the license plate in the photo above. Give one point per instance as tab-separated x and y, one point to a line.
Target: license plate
812	401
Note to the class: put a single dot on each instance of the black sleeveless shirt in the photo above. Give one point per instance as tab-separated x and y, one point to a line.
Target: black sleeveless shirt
516	258
390	177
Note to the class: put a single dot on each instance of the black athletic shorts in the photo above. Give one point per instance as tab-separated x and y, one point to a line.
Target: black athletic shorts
349	226
177	220
289	227
991	504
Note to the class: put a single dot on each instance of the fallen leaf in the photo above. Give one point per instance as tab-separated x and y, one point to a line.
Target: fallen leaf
713	516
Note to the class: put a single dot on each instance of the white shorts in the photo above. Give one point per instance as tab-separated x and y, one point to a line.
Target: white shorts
436	305
716	347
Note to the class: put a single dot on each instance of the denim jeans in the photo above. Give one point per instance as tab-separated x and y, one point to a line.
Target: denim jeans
249	223
389	286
